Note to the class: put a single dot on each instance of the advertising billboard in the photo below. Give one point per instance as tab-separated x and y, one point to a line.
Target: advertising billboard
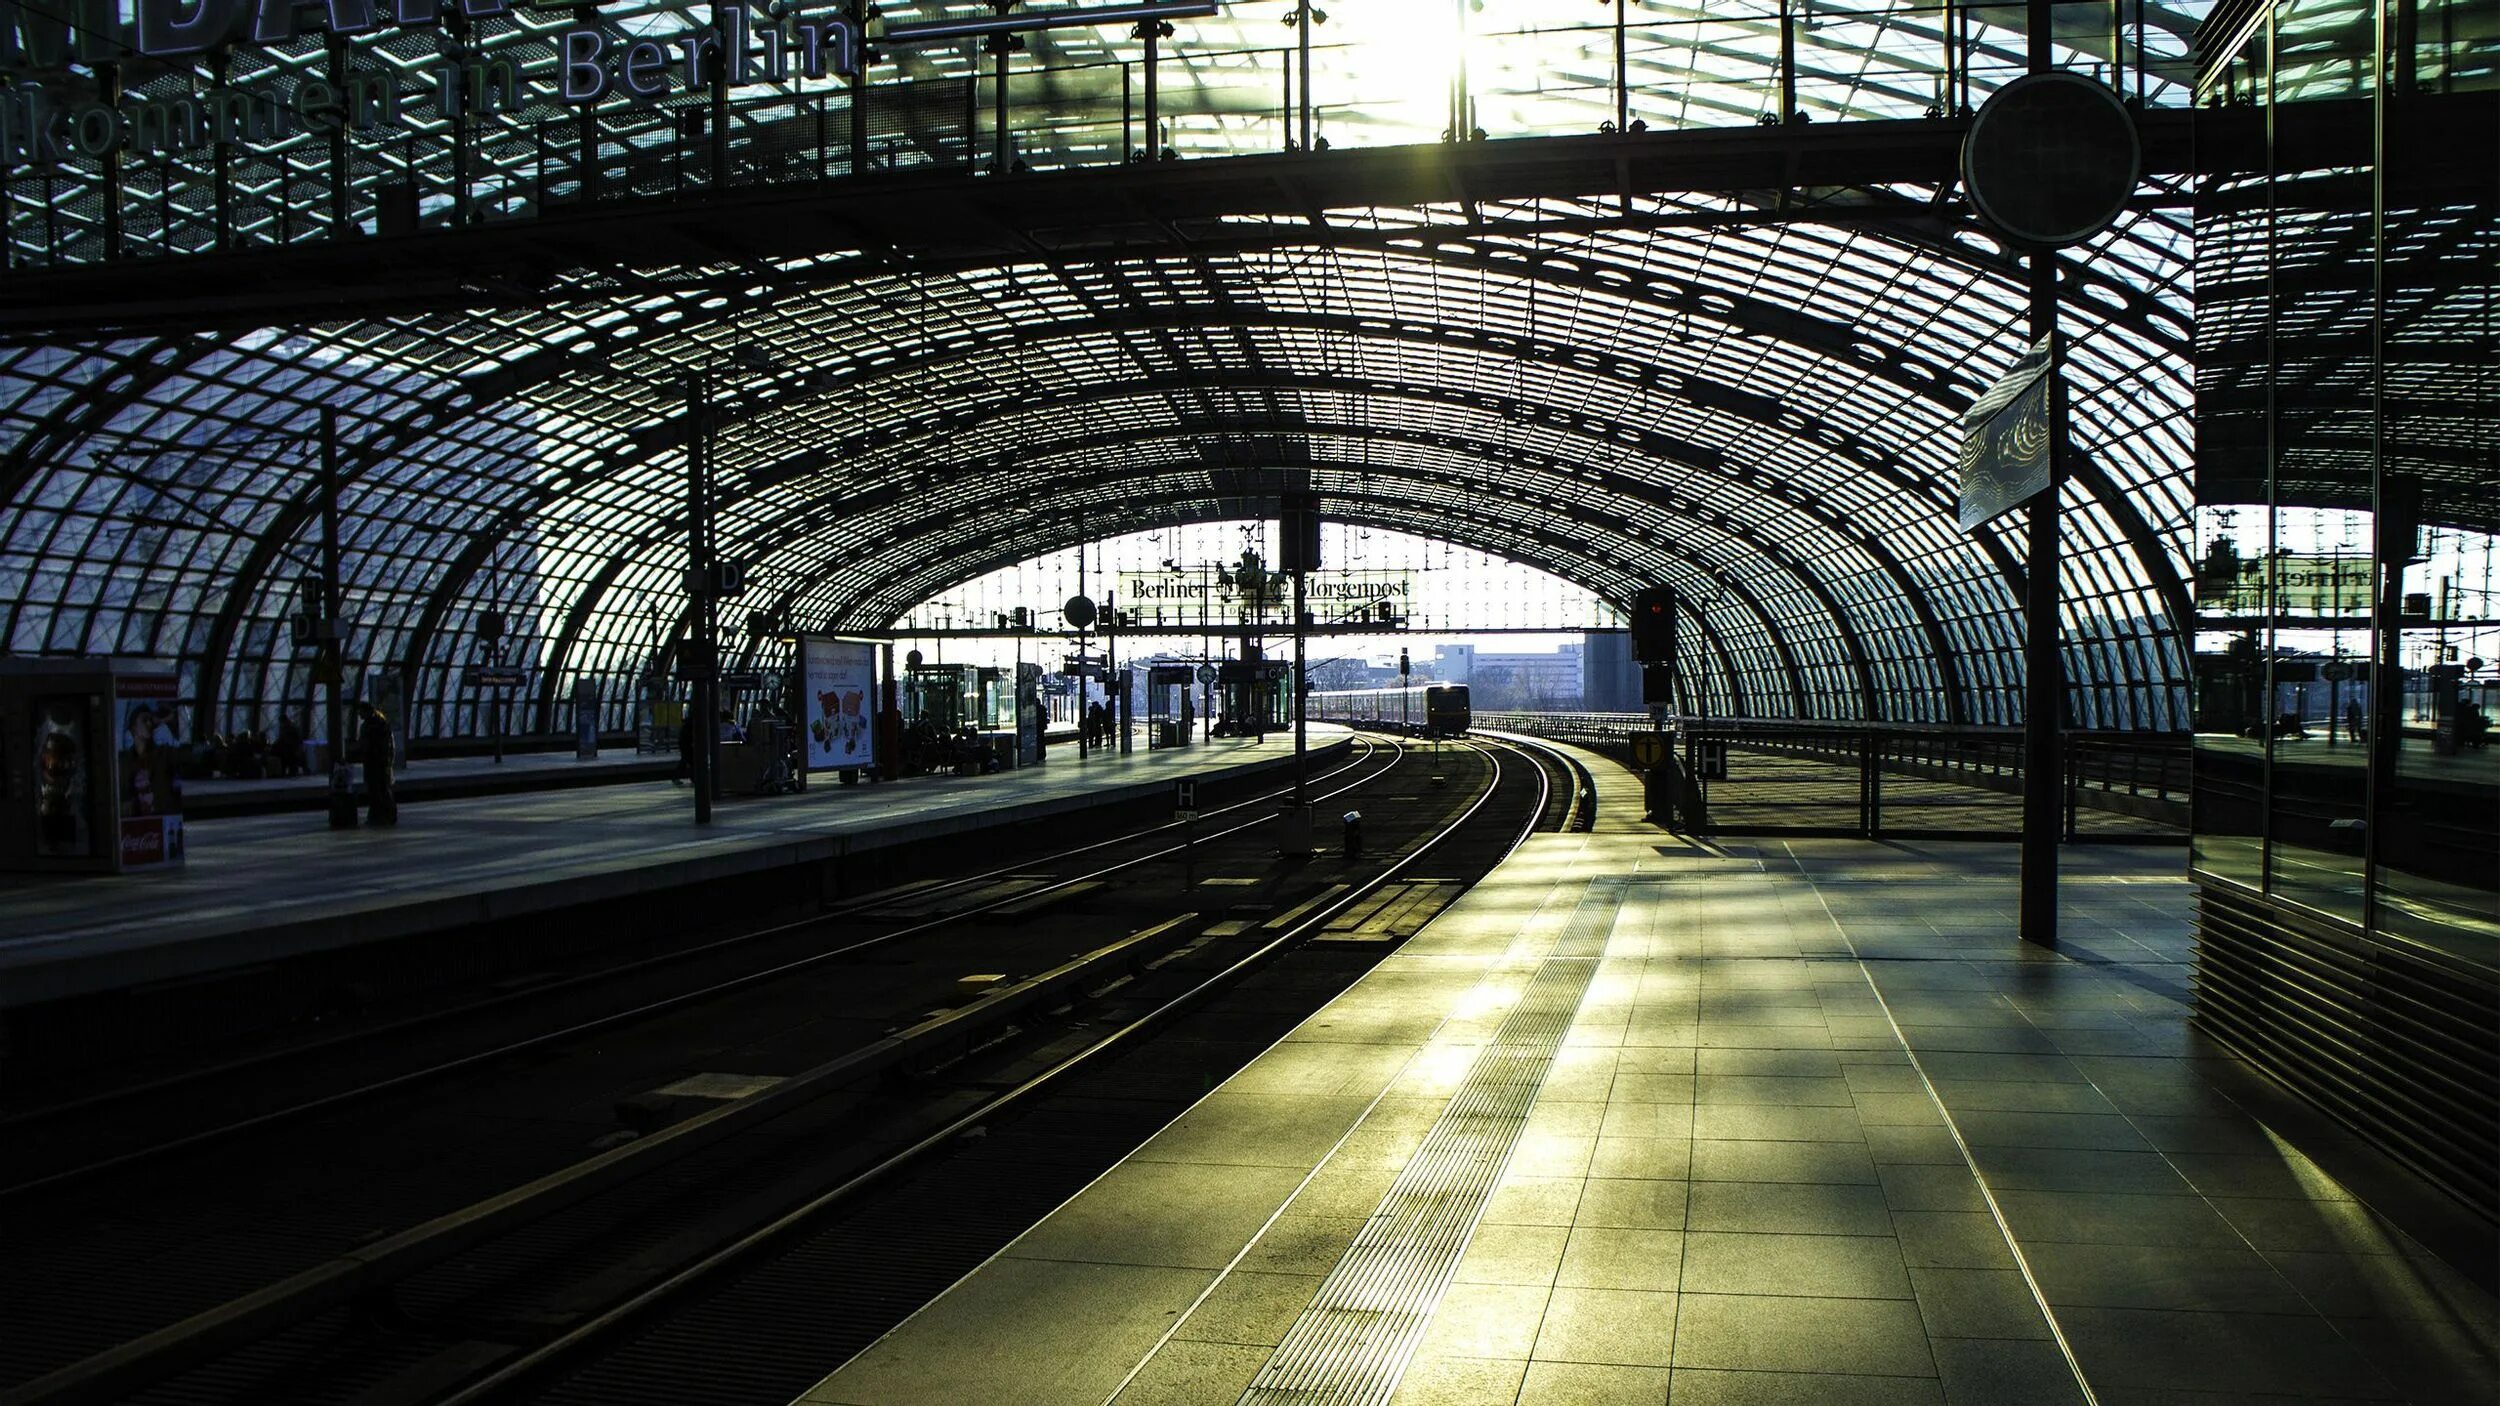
150	802
838	702
63	762
2287	583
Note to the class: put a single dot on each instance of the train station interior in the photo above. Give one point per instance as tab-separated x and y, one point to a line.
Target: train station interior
1412	702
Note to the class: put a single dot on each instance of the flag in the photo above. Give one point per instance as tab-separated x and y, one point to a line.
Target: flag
2005	439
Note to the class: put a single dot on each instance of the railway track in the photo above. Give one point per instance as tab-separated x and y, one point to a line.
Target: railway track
41	1146
402	1303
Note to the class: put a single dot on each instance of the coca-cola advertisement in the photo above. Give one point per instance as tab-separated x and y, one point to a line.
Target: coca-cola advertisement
150	800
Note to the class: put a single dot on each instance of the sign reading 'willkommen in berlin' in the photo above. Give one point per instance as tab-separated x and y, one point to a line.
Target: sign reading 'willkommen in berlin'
2005	459
61	122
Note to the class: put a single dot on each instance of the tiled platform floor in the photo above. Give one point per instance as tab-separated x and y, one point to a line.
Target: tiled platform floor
259	886
1820	1132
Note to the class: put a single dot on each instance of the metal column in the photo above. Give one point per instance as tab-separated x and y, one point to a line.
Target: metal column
334	721
2044	673
1301	700
704	731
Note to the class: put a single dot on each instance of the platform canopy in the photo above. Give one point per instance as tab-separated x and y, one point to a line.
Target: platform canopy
1750	395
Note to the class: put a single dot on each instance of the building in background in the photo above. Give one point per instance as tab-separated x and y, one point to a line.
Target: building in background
1610	678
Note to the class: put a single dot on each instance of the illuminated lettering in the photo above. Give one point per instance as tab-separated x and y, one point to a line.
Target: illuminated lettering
46	127
494	85
95	130
695	44
585	69
166	124
163	33
645	74
317	106
55	33
372	99
42	124
239	116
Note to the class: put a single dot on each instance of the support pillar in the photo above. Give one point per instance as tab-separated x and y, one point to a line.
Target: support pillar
2044	672
702	669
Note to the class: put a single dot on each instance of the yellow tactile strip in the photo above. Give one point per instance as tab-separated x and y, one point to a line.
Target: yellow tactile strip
1353	1342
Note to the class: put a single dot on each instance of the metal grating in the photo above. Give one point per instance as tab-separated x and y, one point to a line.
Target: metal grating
1353	1342
2401	1044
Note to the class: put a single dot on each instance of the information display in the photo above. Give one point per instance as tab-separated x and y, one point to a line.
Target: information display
838	683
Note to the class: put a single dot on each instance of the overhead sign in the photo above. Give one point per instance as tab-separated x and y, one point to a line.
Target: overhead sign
496	678
1186	597
2005	459
57	119
2287	584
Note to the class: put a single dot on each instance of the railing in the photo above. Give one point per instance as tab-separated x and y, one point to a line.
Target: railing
1903	780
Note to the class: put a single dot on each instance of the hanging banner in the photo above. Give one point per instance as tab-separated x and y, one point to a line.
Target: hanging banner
838	683
2005	458
1185	599
2286	583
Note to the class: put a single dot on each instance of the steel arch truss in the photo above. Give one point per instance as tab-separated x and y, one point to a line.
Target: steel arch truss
1761	411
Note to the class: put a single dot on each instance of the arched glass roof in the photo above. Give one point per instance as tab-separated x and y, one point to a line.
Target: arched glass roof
1623	390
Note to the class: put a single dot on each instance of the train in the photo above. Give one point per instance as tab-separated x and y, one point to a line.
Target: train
1426	710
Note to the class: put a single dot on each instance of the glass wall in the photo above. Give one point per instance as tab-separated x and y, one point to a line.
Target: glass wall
2348	485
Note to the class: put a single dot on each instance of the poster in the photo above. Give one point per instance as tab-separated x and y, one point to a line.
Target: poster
150	804
585	720
62	766
838	690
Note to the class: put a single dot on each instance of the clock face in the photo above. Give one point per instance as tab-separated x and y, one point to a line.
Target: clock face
2051	159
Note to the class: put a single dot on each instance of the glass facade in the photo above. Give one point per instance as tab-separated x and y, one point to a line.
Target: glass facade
2347	802
2348	408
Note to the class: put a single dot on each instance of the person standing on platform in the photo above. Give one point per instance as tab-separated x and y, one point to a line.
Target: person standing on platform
373	746
290	746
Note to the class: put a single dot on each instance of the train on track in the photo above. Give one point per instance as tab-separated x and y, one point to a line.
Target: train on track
1425	710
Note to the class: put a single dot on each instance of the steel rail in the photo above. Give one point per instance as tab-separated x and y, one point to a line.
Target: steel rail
410	1078
555	1353
355	1274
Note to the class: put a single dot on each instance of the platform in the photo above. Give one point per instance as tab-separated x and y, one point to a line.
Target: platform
265	887
1767	1122
429	779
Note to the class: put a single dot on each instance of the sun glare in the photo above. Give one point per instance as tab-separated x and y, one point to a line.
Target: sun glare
1389	64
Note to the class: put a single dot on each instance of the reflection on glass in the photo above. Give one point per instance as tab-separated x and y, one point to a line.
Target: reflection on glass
2347	324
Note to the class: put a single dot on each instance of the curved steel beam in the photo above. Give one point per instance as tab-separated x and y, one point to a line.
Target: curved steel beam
1843	622
1597	428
